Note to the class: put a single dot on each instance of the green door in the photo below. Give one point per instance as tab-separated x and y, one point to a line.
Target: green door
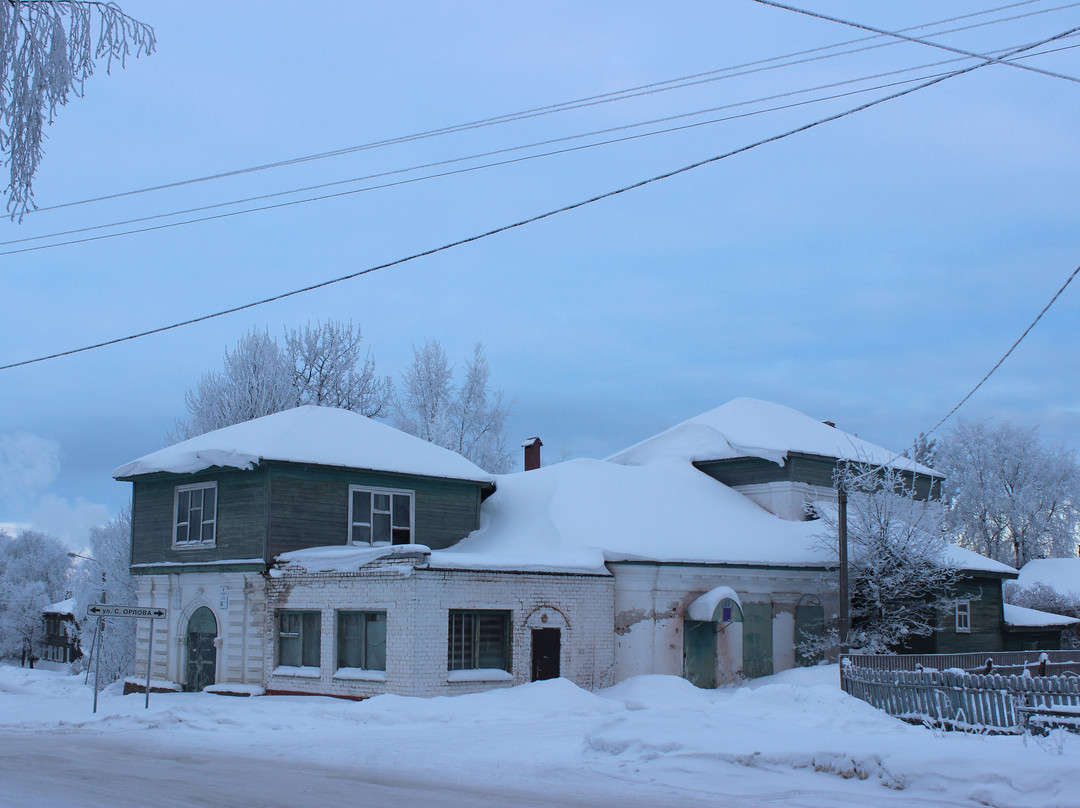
809	631
201	651
757	640
699	653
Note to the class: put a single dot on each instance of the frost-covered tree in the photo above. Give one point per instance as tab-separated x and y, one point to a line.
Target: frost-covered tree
256	380
898	571
33	574
1009	497
48	50
469	419
321	364
110	547
331	370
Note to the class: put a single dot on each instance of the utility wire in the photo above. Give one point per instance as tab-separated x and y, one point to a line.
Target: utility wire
536	218
483	166
1005	356
905	38
619	95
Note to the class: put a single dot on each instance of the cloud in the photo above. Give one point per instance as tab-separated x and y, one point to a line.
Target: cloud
28	466
69	523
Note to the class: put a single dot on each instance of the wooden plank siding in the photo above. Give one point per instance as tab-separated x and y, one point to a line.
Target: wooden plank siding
278	507
798	468
241	517
987	618
309	506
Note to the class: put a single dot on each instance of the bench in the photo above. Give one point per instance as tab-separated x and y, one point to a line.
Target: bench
1039	720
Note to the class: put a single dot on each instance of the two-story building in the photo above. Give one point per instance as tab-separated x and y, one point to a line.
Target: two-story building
316	551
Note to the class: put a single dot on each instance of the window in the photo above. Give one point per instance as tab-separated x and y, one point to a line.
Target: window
478	639
380	516
196	514
361	640
298	639
963	616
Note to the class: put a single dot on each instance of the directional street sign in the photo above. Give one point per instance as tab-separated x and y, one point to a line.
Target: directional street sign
116	610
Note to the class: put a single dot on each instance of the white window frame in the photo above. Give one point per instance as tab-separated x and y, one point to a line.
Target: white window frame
180	545
302	635
392	492
363	640
464	640
963	616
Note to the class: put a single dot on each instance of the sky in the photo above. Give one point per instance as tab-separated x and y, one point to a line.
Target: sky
868	271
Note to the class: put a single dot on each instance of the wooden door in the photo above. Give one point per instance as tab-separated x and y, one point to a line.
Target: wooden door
546	644
201	650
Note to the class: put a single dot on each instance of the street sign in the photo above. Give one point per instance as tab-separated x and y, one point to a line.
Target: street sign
116	610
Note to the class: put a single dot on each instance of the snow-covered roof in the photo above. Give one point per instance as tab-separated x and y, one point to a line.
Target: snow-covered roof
323	436
964	559
1020	616
748	427
62	607
1060	574
578	514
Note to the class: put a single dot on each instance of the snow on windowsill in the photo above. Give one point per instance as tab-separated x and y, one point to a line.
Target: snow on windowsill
480	675
360	675
291	670
220	562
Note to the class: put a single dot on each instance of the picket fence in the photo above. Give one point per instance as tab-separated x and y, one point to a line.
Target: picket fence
955	698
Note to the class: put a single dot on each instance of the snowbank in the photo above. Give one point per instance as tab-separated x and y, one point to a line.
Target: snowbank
795	737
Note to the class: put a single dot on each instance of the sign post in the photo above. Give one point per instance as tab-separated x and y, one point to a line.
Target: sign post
151	613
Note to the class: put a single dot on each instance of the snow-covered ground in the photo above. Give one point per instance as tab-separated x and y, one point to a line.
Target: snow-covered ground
788	740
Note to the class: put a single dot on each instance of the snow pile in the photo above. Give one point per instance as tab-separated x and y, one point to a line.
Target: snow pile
577	514
651	740
321	435
747	427
1060	574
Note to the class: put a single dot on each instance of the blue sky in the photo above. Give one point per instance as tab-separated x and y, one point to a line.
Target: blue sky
869	271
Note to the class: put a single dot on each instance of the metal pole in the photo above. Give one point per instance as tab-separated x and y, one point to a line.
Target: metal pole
90	659
100	634
841	518
97	661
149	660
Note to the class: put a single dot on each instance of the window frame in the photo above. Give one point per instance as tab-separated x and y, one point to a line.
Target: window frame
187	543
963	616
455	660
363	640
372	491
301	634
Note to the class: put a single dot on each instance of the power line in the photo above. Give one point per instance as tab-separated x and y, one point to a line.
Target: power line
897	35
1004	356
532	219
451	161
619	95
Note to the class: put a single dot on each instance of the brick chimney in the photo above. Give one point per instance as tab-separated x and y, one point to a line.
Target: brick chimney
532	453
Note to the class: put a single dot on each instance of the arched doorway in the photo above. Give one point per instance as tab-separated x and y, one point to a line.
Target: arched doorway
201	650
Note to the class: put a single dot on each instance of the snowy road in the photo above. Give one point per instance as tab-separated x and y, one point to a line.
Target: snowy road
63	771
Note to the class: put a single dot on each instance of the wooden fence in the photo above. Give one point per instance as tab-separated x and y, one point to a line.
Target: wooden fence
955	698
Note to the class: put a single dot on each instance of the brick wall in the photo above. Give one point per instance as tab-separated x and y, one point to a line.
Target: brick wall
417	602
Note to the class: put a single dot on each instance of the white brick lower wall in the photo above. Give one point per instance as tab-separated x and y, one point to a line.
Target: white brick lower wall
238	602
417	603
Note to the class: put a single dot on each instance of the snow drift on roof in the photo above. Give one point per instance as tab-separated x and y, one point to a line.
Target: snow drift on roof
1019	616
1060	574
62	607
747	427
323	436
577	514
